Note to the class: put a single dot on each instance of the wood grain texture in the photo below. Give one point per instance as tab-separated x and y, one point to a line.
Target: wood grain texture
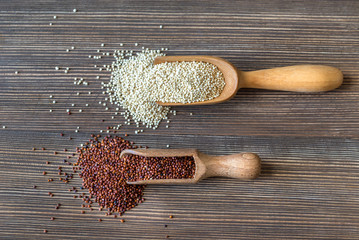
308	142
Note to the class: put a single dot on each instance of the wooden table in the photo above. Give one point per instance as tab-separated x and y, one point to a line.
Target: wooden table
308	142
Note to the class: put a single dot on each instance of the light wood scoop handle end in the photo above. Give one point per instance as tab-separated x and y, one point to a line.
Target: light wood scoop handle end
299	78
243	166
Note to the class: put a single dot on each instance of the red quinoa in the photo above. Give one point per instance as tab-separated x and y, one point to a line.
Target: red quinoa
102	174
146	168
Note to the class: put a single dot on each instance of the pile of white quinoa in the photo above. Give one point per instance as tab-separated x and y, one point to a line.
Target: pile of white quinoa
136	84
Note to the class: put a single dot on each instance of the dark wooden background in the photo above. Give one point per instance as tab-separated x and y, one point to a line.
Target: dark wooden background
308	142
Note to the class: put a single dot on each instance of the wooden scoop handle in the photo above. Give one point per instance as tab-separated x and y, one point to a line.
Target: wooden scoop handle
242	166
299	78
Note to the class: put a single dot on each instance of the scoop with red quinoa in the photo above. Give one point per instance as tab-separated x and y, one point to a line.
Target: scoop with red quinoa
105	174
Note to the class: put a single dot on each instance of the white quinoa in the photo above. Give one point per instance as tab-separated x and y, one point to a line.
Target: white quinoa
136	84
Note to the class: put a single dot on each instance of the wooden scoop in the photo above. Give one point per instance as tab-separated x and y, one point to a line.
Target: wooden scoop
243	166
299	78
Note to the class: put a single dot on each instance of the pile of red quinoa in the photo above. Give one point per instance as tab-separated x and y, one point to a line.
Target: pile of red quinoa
102	174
